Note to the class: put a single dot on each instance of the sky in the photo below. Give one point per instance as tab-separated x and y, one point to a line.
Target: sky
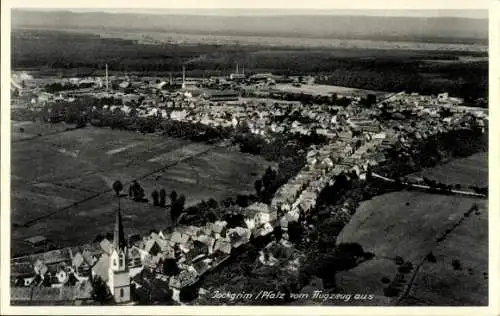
433	8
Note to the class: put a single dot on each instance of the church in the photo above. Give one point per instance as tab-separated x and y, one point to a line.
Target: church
118	271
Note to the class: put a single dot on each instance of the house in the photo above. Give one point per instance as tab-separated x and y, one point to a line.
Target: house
22	272
135	257
106	246
218	96
178	115
186	277
222	246
178	238
157	245
262	213
91	253
198	250
218	229
80	264
264	230
36	241
208	241
101	267
201	266
151	262
77	294
239	236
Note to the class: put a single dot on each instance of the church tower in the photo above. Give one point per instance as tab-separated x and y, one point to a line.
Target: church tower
119	278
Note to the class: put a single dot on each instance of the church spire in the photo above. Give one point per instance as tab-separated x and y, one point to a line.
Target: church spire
119	236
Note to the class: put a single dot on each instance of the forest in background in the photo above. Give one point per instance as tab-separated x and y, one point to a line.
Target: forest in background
426	72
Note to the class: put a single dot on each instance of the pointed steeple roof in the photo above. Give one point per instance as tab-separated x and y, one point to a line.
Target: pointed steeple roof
119	236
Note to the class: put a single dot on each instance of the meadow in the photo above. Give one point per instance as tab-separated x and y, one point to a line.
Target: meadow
465	283
471	170
61	182
411	225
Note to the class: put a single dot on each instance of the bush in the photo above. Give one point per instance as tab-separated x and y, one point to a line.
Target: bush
431	258
398	260
391	291
456	264
406	267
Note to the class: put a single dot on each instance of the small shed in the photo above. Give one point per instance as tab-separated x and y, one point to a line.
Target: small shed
36	241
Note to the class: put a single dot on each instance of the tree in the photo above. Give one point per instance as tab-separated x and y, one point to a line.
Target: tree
155	196
117	187
136	191
258	186
100	291
431	258
170	267
182	201
456	264
163	197
268	177
173	197
212	204
177	208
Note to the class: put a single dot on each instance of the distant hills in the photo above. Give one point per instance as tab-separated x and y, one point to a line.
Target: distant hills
419	29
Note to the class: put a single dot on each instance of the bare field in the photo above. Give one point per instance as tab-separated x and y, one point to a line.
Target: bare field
280	41
472	170
61	183
409	224
325	90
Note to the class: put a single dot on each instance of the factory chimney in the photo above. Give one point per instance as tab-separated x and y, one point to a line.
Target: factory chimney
107	80
183	75
236	68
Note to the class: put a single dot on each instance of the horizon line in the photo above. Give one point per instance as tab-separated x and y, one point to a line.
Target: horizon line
480	14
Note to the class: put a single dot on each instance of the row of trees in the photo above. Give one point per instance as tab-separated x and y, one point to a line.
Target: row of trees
58	87
159	198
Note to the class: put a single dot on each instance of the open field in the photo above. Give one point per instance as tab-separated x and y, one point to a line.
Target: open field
472	170
159	38
325	90
33	129
61	183
466	286
409	225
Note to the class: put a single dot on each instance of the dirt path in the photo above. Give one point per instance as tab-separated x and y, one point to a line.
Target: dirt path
441	238
426	187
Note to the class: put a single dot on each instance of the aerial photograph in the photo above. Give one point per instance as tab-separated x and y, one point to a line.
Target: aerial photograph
248	157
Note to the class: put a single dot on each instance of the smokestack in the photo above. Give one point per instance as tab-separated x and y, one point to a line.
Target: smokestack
236	68
107	80
171	79
183	75
243	69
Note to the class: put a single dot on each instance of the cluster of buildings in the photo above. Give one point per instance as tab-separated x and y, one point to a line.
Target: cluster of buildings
357	139
178	257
